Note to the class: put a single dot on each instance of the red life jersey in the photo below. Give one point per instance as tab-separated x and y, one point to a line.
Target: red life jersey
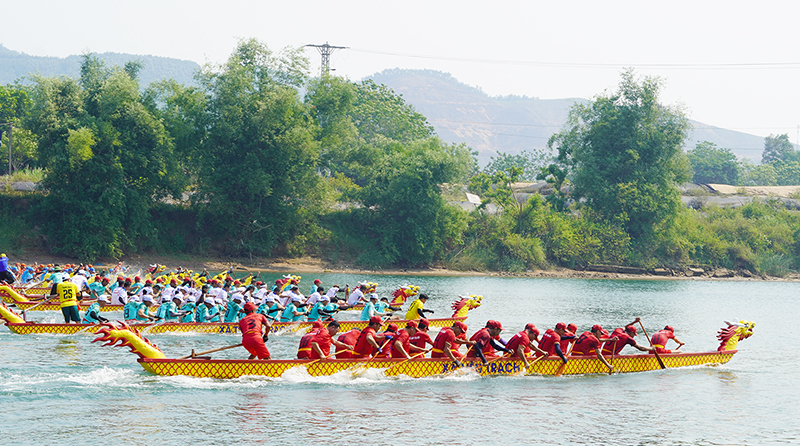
565	342
363	349
324	340
304	350
548	342
348	338
586	344
421	339
483	338
659	340
250	325
404	338
624	339
440	344
518	339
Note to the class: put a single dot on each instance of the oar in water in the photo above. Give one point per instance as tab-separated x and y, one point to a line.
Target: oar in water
291	327
658	358
405	361
25	317
210	351
613	349
531	363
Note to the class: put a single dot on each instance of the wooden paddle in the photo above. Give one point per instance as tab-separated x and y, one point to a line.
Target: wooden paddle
613	349
24	316
210	351
660	362
356	373
531	363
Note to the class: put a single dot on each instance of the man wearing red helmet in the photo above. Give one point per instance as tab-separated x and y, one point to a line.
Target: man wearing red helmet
255	328
367	344
486	342
590	341
660	339
624	337
421	339
446	343
551	341
522	343
401	344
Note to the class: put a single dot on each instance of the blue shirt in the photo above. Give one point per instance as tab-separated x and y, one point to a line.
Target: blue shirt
88	318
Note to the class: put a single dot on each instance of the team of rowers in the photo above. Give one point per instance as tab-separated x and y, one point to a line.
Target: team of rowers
413	340
196	298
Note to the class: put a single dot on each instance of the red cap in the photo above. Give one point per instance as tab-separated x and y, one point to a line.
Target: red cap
159	280
561	326
460	325
317	325
128	280
494	324
137	278
392	327
412	324
596	327
259	283
249	306
423	323
532	328
105	280
631	329
376	320
669	328
148	282
173	281
237	283
317	281
572	327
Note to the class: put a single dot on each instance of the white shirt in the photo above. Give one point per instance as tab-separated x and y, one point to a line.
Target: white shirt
332	291
119	296
355	296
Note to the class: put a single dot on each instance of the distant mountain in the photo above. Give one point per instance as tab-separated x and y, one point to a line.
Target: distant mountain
14	65
510	124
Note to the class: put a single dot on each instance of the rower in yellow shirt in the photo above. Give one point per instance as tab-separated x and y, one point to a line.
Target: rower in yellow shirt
415	311
67	293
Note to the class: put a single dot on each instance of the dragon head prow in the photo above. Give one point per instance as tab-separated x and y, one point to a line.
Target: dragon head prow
125	336
464	304
730	336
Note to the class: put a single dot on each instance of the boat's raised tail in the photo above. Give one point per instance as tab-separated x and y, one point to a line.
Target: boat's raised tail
9	315
123	335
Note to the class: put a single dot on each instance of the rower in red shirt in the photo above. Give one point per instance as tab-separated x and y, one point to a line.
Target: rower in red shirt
486	342
421	338
304	350
624	337
568	337
551	341
367	344
660	339
348	339
521	343
591	341
254	327
446	343
322	340
401	345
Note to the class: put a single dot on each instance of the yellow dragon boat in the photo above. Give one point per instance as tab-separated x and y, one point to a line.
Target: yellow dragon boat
152	359
18	325
36	299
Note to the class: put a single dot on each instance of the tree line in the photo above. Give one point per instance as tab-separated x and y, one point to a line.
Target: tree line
261	159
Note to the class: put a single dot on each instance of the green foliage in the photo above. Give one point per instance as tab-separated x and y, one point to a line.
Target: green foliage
624	151
712	164
778	148
529	162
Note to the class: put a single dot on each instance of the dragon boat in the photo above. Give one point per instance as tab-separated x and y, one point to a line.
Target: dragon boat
36	299
152	359
17	323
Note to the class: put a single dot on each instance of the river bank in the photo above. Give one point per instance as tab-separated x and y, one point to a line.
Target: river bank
316	265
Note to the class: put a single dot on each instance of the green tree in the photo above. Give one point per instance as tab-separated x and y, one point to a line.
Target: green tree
531	162
624	151
712	164
258	162
778	148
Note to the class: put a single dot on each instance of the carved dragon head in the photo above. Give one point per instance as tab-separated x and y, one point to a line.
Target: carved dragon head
730	336
462	306
125	336
9	315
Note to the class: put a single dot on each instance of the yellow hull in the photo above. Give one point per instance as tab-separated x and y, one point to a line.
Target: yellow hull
215	327
418	368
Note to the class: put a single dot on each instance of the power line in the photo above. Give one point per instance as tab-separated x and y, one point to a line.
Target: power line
325	51
709	127
684	66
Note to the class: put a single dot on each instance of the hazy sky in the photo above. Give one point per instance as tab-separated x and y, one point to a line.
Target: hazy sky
733	64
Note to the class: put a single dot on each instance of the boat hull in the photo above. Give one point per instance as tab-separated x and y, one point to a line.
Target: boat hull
211	328
419	368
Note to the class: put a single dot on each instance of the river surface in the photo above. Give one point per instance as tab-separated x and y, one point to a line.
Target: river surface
65	390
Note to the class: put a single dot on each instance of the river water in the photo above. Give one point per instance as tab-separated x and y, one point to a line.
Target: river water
66	390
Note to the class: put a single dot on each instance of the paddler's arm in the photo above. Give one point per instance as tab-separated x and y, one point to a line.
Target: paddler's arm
521	354
316	348
449	353
501	345
341	344
680	344
559	352
537	349
600	357
399	345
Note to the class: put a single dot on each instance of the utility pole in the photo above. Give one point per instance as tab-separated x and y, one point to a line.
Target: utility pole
326	51
10	142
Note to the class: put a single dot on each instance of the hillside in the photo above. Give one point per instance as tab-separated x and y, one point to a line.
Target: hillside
462	113
14	65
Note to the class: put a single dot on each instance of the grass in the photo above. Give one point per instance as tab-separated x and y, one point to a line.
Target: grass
33	174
